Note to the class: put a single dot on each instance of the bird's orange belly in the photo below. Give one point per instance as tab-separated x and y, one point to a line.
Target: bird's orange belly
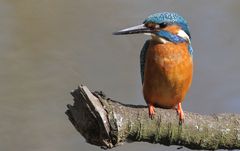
167	74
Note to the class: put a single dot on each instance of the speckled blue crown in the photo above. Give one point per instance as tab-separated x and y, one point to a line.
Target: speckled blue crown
169	17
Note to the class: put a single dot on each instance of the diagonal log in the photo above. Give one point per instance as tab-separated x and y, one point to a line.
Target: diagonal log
107	123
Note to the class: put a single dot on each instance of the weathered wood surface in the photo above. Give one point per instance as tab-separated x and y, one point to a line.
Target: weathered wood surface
107	123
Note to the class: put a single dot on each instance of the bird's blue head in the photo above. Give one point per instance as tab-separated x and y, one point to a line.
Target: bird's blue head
168	26
167	18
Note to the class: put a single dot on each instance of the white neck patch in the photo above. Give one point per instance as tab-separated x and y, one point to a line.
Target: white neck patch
182	34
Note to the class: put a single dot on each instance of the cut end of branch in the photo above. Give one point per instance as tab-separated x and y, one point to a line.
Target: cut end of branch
89	117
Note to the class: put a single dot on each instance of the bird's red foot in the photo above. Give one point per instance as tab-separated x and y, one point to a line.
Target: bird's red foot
151	111
180	113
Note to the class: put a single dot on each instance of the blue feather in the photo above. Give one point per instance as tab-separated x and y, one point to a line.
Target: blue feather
169	17
170	37
190	49
143	58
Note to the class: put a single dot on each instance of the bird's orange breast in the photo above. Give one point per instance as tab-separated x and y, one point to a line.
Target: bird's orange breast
167	74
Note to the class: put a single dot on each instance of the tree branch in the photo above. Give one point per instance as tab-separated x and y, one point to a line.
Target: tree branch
107	123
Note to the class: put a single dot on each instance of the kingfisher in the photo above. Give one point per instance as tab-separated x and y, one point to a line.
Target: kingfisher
166	63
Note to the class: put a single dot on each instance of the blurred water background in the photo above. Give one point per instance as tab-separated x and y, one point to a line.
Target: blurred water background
48	47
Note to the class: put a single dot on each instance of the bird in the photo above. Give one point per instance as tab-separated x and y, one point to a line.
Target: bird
166	61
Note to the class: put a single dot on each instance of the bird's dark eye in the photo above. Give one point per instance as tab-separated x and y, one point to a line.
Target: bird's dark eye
163	25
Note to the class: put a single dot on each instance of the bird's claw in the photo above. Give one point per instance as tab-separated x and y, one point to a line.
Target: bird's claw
180	113
151	111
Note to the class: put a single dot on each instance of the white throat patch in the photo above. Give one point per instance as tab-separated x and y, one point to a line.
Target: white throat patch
159	39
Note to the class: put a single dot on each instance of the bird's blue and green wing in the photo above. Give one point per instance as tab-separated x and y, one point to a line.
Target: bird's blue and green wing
143	57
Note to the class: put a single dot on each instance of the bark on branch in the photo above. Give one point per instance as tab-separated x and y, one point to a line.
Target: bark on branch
107	123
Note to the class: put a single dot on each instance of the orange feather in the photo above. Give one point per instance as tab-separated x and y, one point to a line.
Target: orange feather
167	74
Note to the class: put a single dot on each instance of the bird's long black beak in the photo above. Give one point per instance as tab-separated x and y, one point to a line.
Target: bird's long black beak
134	30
